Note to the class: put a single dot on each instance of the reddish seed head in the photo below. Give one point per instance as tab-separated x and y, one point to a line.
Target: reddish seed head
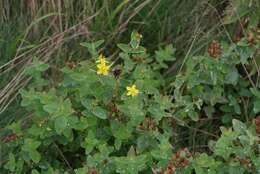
161	172
257	121
114	109
215	49
117	72
178	153
189	154
236	39
185	161
250	38
257	124
71	64
93	171
9	138
185	149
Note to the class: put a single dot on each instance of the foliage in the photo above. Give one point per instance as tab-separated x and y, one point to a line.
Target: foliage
140	110
92	113
236	151
120	121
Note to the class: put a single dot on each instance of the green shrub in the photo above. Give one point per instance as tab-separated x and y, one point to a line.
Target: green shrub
235	152
99	117
115	117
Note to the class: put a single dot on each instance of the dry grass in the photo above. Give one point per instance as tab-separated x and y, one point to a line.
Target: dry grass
43	52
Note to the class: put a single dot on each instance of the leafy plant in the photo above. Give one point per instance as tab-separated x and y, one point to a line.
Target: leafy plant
115	117
236	151
95	112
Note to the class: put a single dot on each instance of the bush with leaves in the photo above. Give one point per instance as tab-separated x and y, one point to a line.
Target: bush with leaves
101	118
235	152
115	117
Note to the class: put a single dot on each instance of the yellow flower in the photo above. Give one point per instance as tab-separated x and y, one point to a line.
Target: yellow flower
132	91
102	69
101	59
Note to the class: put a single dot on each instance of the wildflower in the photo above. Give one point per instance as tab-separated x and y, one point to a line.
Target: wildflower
101	59
102	69
132	91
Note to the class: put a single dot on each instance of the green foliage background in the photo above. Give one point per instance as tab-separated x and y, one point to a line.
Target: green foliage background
187	93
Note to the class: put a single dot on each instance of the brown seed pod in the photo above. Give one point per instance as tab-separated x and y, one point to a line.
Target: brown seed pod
149	125
93	171
114	109
257	124
117	72
250	38
215	49
236	38
257	121
71	64
9	138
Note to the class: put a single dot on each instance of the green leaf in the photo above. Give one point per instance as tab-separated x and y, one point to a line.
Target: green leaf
65	108
130	165
203	160
256	106
209	110
128	64
35	156
232	76
90	142
224	145
51	107
30	144
124	47
193	115
132	108
239	126
163	150
92	47
156	112
81	124
135	40
82	170
36	67
236	169
255	92
15	128
60	124
118	143
10	165
163	55
35	171
127	49
120	131
100	112
233	102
